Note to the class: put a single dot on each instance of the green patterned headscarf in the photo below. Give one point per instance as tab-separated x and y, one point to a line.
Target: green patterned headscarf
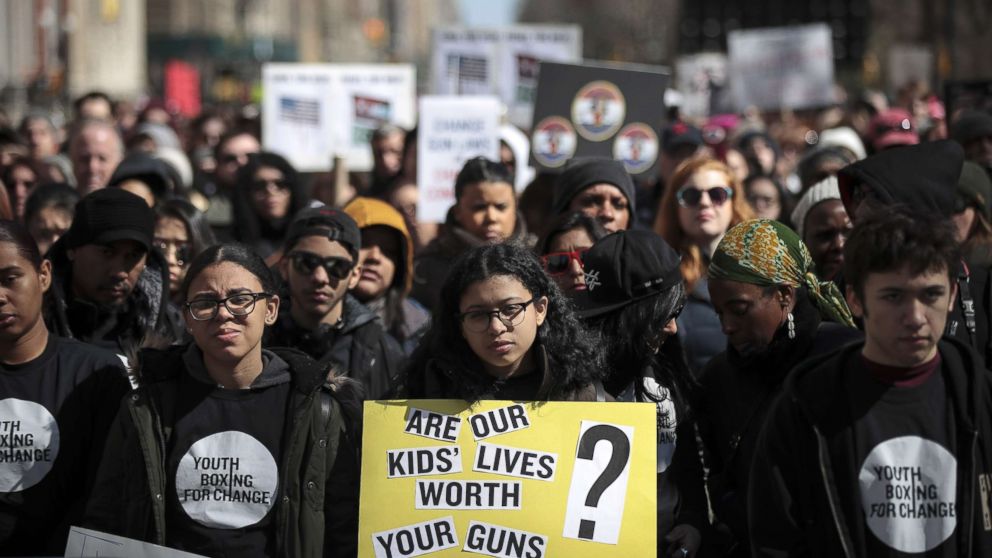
767	253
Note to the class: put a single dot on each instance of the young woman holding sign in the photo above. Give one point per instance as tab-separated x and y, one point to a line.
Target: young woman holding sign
57	401
226	448
503	330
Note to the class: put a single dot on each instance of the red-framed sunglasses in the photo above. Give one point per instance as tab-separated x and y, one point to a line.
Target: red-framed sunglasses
556	263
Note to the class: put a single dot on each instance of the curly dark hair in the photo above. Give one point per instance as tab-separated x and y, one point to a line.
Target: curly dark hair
896	237
573	358
628	333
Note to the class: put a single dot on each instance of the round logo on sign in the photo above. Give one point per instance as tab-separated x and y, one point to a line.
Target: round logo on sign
598	110
227	480
29	444
553	141
908	491
637	147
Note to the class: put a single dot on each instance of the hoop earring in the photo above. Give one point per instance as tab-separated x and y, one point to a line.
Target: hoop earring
792	326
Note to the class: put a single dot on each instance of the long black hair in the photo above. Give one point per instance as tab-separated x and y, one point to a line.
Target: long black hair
573	356
248	226
627	335
200	234
235	253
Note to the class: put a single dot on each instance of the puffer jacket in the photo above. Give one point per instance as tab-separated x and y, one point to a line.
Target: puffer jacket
360	349
700	331
147	311
317	514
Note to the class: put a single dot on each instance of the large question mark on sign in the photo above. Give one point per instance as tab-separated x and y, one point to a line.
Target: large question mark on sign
585	494
618	460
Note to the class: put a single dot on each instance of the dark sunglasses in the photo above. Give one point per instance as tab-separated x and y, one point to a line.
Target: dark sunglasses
556	263
335	266
260	184
690	197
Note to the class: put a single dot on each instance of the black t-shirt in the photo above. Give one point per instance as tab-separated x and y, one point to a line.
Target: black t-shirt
55	412
223	462
905	451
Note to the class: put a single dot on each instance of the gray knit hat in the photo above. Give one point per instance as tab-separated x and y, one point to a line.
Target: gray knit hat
822	191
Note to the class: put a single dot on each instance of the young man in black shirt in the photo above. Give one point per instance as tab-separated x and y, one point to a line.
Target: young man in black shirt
883	448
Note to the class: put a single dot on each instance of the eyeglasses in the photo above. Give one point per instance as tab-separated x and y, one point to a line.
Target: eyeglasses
182	249
477	321
556	263
240	304
260	184
336	267
763	202
690	197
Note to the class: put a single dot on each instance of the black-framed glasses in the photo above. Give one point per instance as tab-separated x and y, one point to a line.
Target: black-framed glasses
240	304
690	197
510	315
556	263
336	267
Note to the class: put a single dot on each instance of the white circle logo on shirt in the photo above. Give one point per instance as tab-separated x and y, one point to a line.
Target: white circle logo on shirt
29	444
908	490
227	480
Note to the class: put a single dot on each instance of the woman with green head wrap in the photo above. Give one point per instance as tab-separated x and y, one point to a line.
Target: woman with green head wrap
776	313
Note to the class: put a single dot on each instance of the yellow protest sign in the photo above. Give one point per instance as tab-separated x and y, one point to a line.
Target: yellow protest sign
507	479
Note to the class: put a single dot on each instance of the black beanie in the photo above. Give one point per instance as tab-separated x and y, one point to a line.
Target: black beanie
584	172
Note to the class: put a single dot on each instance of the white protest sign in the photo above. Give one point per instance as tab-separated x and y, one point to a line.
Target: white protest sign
599	482
451	131
782	67
463	61
313	112
501	61
702	80
85	543
908	63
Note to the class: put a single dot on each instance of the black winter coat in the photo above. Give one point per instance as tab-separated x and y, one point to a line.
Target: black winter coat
148	311
319	468
734	399
796	504
360	349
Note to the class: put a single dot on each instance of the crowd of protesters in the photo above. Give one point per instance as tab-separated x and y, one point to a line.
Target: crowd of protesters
806	301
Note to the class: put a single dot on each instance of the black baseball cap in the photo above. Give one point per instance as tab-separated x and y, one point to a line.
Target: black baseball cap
328	222
625	267
108	215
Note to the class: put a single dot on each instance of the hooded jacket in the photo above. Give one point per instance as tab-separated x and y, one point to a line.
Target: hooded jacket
316	514
432	265
796	503
359	349
147	311
413	317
